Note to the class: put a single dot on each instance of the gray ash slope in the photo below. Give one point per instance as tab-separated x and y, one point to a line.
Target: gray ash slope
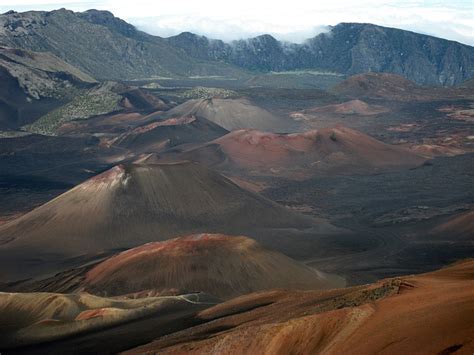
134	204
106	47
234	113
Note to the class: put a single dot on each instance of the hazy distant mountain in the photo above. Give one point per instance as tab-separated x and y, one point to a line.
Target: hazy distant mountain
101	45
109	48
349	48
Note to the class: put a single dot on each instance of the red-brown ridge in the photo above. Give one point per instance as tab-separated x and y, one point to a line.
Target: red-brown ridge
352	107
460	226
337	149
423	314
130	205
220	265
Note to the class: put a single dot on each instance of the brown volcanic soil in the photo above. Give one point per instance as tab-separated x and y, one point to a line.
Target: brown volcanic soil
223	266
112	124
28	320
234	114
429	313
460	226
392	87
352	107
157	135
459	113
299	155
435	150
131	205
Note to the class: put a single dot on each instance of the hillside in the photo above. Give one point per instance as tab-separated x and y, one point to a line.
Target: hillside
33	83
385	86
428	313
460	226
389	315
166	133
299	155
219	265
96	217
348	48
97	42
233	114
88	109
33	319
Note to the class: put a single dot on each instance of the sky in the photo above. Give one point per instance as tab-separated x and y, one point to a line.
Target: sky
289	20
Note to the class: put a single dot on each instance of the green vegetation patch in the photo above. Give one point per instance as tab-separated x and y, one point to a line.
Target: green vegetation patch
13	134
200	92
82	107
305	72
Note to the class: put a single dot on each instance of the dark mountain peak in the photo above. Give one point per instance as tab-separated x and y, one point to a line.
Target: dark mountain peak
189	35
358	27
62	10
107	19
200	47
259	43
99	13
265	38
102	45
354	25
354	48
189	39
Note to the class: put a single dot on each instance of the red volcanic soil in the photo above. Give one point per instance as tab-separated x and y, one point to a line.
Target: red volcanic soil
435	150
140	99
94	313
168	122
112	124
392	87
460	226
54	323
252	149
223	266
423	314
154	136
443	144
353	107
460	113
338	149
130	205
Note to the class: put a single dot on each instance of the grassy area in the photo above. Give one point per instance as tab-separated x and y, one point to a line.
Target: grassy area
305	72
83	106
200	92
13	134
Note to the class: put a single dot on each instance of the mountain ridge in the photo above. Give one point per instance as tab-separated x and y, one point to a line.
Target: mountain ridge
118	50
343	50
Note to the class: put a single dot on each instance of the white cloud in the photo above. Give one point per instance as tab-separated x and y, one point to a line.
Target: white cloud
292	20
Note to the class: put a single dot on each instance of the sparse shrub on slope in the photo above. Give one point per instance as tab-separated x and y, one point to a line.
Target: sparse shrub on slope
200	92
83	106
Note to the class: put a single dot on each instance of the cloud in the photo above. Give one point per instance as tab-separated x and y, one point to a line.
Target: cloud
293	20
227	29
